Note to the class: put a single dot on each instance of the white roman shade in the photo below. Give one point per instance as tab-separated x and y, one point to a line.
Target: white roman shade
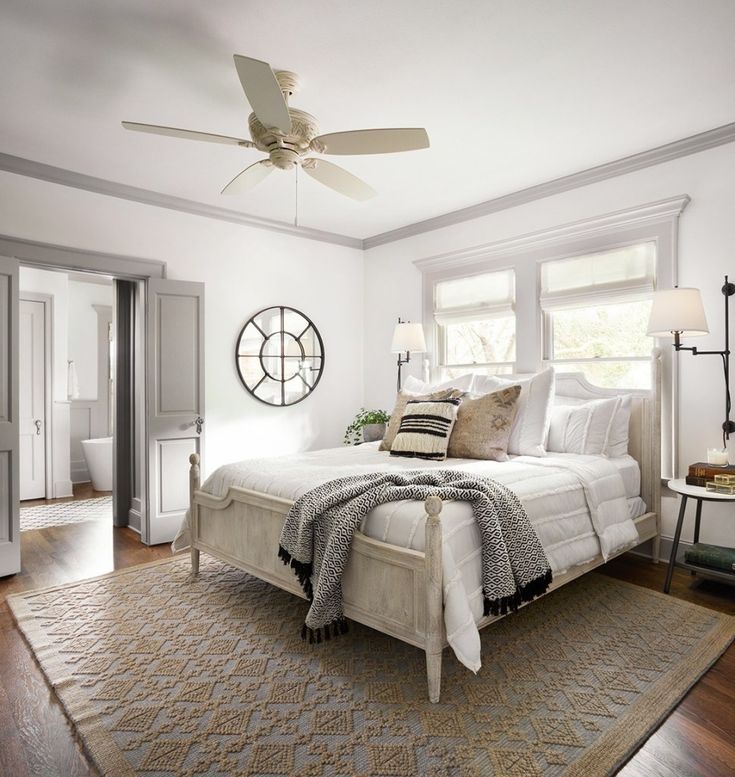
624	273
474	297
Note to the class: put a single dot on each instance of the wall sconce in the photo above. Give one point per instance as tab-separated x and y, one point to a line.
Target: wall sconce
679	312
407	338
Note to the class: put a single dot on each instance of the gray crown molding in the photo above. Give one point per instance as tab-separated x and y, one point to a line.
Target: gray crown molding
679	148
54	257
44	172
661	210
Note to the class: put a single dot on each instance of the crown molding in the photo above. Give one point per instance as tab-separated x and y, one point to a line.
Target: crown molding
670	151
59	175
655	156
667	210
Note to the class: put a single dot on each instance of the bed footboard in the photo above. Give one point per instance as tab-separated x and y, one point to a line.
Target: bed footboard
394	590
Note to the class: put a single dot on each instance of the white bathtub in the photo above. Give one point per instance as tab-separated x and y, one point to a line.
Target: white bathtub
98	455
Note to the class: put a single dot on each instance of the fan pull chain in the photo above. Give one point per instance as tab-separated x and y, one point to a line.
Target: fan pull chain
296	208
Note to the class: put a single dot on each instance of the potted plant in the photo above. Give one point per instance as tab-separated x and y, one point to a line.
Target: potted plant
368	425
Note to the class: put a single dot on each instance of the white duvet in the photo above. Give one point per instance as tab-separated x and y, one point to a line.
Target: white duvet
577	504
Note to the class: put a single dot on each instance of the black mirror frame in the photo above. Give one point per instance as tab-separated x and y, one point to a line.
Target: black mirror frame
282	381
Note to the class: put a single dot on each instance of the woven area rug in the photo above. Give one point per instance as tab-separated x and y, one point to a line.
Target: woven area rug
62	513
163	674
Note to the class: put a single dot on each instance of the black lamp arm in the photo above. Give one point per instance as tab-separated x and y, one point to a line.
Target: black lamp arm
401	362
728	427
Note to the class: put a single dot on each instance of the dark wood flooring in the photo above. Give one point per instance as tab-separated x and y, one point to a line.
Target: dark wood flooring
36	740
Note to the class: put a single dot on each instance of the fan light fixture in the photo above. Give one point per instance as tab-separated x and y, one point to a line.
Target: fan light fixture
288	134
407	338
679	313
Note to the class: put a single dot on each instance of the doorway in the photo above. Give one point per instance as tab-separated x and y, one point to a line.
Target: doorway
158	417
66	345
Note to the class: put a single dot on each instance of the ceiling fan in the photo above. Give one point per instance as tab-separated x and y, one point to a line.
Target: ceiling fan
288	135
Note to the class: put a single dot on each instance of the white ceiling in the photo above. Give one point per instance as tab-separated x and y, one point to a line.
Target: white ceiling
512	92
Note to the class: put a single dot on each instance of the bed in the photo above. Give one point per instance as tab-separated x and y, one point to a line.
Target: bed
406	586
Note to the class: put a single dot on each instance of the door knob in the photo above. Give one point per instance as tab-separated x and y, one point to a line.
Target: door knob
199	422
37	424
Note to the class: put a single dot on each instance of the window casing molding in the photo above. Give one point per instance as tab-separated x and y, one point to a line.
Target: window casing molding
656	222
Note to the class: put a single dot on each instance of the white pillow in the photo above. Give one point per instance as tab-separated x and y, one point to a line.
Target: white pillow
416	386
617	444
531	425
582	428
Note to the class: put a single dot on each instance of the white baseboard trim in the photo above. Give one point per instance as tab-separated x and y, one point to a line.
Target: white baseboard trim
646	548
79	472
63	488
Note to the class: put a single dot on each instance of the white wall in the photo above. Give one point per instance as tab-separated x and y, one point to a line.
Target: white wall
83	331
244	269
706	253
55	284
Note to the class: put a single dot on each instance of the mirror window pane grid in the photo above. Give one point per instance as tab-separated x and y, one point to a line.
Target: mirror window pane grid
280	356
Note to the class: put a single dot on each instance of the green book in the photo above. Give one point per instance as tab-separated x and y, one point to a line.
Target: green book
712	556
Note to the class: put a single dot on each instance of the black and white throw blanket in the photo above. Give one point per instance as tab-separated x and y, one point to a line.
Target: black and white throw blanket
318	530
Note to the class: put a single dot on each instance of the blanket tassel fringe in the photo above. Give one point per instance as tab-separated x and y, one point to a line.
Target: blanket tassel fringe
333	629
303	571
526	593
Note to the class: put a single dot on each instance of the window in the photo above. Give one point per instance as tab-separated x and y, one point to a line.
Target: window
596	309
475	323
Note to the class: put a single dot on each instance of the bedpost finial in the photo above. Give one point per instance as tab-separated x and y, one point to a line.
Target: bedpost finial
194	459
433	505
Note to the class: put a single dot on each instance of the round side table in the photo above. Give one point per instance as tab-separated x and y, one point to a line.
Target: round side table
700	495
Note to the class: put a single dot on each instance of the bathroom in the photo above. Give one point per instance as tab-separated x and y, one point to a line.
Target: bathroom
66	390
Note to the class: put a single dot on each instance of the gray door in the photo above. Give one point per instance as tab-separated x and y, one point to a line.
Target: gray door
9	426
175	400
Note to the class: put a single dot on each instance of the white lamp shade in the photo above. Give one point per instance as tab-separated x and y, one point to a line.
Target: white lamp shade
677	310
408	337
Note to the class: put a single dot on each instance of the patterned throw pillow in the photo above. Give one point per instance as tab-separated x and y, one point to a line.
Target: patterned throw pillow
483	425
425	429
401	400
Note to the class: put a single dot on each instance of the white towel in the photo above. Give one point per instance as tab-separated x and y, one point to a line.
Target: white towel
72	382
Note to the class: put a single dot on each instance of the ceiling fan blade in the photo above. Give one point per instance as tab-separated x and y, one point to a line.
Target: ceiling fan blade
263	93
249	177
174	132
372	141
337	178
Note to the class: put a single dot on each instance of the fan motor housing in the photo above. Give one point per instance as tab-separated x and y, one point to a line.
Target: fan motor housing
285	149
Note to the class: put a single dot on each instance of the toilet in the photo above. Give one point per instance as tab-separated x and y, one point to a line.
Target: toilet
98	455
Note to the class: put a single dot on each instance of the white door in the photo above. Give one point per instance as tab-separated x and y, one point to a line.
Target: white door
9	479
32	358
175	400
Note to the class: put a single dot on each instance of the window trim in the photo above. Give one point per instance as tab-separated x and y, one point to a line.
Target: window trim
656	221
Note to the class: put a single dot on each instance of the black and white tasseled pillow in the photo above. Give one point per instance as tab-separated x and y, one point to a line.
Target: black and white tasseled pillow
425	429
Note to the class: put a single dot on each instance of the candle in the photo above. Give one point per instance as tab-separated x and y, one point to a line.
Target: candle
717	457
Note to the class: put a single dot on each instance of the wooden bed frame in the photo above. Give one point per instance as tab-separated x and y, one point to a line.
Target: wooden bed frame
392	589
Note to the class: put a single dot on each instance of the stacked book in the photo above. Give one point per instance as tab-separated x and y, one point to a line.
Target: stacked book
711	556
701	473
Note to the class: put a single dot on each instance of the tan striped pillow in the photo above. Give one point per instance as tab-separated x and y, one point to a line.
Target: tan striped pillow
425	429
401	400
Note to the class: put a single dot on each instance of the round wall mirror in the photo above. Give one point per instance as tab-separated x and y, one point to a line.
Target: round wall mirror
279	356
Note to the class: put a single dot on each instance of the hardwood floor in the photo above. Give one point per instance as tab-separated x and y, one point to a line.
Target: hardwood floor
36	740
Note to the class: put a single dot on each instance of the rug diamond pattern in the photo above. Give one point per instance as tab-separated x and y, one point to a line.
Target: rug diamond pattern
208	676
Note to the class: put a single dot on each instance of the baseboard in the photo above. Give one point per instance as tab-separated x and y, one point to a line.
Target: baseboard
79	472
134	520
63	488
645	549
